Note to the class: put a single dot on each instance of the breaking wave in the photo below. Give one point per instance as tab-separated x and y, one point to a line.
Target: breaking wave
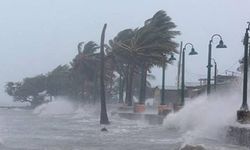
205	117
56	107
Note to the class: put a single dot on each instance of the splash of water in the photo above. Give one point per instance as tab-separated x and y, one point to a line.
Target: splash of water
59	106
87	111
205	117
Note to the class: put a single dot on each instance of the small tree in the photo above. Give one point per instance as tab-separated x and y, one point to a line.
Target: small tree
29	90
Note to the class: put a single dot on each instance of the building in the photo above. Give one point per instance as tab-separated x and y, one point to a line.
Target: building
194	89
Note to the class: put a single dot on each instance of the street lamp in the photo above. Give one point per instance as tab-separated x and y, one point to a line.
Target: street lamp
243	115
220	45
172	58
215	74
193	52
163	108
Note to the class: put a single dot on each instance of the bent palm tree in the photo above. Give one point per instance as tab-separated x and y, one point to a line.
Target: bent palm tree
143	47
156	40
85	68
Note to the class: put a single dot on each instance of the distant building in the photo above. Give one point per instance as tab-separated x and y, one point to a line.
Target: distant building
223	82
194	89
171	94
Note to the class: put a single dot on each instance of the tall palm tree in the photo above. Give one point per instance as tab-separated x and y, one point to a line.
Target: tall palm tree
104	117
143	48
156	38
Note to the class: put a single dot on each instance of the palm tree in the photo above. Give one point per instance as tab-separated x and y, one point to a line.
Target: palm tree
143	48
122	50
155	40
85	68
104	117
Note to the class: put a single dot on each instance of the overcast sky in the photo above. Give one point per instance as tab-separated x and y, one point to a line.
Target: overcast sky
38	35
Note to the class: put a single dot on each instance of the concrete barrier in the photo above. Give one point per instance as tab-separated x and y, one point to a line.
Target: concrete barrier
239	135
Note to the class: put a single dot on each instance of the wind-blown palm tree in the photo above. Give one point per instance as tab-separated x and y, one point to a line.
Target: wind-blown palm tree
156	38
143	48
123	51
86	67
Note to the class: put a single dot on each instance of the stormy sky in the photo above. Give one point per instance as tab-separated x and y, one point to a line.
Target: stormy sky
36	36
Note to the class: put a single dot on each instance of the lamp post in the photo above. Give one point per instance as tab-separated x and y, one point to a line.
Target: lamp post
215	74
162	109
220	45
243	115
172	58
193	52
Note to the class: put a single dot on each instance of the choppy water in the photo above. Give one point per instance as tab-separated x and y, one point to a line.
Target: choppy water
66	129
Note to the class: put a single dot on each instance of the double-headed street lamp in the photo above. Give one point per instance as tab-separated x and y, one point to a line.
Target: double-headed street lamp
220	45
193	52
164	61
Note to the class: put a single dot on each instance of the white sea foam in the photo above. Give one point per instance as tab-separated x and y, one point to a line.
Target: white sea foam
205	117
87	111
59	106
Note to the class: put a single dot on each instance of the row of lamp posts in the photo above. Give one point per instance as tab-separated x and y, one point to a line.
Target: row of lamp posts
243	115
192	52
209	66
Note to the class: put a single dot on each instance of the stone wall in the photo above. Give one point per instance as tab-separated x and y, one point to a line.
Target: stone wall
239	135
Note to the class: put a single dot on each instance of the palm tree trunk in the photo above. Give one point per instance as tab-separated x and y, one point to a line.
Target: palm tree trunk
121	85
129	92
143	84
122	89
145	81
127	84
104	116
95	89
